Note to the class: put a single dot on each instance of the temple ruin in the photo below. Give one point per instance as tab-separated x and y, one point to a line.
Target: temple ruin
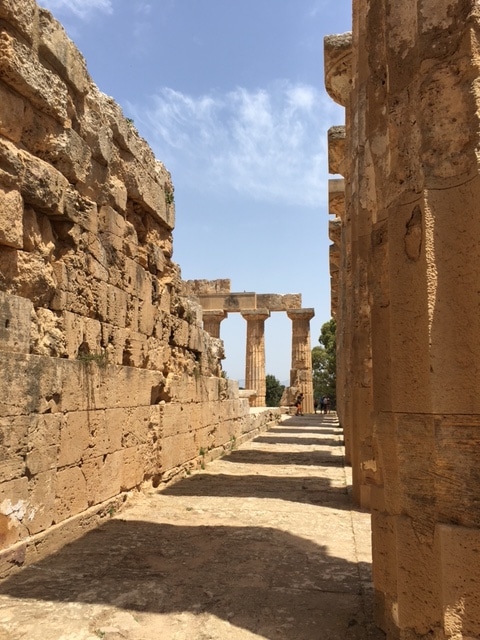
109	381
404	267
218	301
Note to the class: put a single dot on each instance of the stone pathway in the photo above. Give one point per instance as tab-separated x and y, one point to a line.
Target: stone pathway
263	543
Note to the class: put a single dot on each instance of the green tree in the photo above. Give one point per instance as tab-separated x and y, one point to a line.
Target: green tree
324	363
273	392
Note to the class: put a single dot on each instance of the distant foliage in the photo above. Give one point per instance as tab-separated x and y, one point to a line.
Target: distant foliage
274	391
324	364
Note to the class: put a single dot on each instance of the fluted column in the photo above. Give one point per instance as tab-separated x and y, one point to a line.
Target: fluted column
212	320
301	371
255	354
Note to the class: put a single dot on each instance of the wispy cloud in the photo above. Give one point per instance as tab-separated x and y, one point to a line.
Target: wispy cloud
269	144
83	9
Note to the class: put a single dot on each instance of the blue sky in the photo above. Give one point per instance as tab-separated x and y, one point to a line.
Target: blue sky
230	96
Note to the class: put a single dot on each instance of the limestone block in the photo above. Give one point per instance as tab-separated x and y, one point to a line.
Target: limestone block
336	197
14	511
13	446
132	387
112	226
24	73
180	333
338	66
177	450
48	335
132	317
196	341
61	53
11	167
459	580
15	323
114	339
385	431
336	150
135	352
174	420
38	234
12	114
279	302
83	335
60	276
94	127
103	477
416	441
457	468
26	275
127	427
42	491
146	317
142	188
156	260
95	184
44	443
42	185
75	438
21	14
417	579
133	465
117	195
116	306
71	493
96	269
29	384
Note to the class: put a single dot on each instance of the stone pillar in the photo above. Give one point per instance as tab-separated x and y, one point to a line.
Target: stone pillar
413	187
301	371
255	354
212	320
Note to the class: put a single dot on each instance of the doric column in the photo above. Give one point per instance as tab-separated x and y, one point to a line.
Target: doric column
301	371
211	321
255	354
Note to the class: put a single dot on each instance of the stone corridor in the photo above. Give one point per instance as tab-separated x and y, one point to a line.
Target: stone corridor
263	543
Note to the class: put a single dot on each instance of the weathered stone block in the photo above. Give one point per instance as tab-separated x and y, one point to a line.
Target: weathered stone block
134	466
12	114
23	71
75	437
14	511
42	490
459	579
21	14
62	54
71	493
103	477
15	323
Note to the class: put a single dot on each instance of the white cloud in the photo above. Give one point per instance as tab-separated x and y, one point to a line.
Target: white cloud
81	8
269	144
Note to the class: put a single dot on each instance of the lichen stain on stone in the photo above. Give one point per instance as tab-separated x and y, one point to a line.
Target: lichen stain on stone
414	235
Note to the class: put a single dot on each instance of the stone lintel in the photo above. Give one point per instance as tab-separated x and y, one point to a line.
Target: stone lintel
229	302
336	197
278	302
338	66
246	301
301	314
336	150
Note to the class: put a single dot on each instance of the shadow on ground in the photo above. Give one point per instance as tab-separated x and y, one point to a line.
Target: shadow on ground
270	582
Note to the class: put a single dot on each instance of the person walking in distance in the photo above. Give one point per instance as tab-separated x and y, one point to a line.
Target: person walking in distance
326	404
298	404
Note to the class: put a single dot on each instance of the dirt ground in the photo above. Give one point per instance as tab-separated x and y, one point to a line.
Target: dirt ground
263	543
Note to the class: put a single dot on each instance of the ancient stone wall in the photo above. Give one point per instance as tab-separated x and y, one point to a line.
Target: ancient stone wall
411	230
107	378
